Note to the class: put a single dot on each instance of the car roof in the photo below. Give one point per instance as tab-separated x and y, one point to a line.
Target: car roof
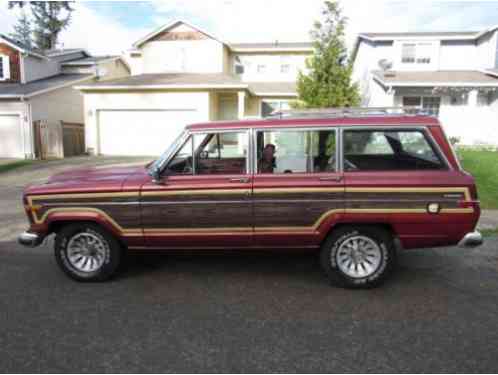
385	120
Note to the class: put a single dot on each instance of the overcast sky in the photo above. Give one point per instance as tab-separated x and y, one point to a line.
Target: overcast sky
109	27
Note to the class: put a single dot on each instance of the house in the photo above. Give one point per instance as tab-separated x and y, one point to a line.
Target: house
182	74
36	94
453	75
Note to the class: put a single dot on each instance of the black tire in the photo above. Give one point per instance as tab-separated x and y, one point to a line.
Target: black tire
109	246
330	262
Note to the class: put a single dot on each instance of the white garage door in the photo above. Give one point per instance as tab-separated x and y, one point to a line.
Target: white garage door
11	141
141	132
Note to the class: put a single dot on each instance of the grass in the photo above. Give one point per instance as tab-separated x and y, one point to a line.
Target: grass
483	165
489	232
13	165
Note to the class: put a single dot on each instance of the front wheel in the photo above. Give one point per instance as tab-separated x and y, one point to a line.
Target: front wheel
358	256
86	252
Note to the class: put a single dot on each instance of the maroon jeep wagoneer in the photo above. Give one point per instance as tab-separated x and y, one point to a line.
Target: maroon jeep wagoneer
357	187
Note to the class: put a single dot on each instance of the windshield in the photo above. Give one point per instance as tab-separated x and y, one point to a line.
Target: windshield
172	147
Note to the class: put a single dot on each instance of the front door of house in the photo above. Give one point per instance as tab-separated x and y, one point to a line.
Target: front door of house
204	198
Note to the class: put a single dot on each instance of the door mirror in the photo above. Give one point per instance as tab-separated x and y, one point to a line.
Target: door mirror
156	175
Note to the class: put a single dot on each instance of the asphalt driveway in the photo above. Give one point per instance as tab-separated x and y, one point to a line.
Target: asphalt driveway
241	312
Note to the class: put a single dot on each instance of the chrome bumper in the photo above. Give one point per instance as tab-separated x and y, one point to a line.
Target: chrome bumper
472	239
30	239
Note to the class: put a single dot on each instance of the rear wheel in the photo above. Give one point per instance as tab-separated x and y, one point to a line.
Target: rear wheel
358	256
87	252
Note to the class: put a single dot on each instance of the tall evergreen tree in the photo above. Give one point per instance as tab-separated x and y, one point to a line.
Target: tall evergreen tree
23	31
50	18
328	82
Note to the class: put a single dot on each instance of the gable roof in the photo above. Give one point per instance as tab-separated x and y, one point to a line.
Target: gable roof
171	25
21	47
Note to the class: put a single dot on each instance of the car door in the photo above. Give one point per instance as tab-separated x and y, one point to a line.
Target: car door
203	199
298	190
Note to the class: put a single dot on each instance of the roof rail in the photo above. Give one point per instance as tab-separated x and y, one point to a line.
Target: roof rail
349	112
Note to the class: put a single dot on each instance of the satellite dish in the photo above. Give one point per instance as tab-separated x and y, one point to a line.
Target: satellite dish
385	64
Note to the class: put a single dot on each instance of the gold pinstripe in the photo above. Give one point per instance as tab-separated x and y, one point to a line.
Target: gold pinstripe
230	231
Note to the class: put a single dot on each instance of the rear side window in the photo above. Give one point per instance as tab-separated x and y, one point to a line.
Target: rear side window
389	150
296	151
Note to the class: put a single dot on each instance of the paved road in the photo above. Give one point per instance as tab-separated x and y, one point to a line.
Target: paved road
243	312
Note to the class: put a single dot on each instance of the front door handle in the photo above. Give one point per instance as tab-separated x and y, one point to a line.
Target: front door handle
331	178
242	180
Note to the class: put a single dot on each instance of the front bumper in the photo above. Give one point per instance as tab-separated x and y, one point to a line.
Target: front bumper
30	239
472	239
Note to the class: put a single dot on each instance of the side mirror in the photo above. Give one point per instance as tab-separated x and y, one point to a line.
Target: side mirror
156	176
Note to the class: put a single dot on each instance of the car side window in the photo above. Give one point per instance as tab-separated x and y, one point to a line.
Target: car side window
212	153
389	150
181	164
296	151
221	153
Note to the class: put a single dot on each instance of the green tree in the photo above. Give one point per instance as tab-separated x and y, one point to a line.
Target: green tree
23	31
328	81
50	18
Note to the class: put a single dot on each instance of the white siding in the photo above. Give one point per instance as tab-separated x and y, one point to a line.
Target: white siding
36	68
458	55
189	56
272	64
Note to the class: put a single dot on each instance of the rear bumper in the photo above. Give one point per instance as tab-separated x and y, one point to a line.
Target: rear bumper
30	239
471	239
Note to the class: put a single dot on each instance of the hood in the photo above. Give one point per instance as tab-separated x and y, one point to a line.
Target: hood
87	180
97	174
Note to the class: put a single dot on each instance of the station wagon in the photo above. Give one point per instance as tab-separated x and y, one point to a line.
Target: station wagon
356	187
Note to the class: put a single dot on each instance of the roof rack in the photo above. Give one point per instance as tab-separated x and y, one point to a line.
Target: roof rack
349	112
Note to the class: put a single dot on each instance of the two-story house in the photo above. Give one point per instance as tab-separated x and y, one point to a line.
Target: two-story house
453	75
36	90
181	74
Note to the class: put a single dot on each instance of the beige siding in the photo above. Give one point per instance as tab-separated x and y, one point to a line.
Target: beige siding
64	104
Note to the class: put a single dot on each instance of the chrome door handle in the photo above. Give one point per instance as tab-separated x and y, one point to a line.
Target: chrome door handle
332	178
242	180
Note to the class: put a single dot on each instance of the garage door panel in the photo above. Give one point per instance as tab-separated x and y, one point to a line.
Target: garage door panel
141	132
11	141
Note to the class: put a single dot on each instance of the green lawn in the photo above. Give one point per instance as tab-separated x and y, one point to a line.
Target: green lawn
483	165
13	165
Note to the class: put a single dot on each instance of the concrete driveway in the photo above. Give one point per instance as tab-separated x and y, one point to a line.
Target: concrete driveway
242	312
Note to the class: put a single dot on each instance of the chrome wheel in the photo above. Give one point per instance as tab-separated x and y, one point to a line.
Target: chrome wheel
87	251
358	257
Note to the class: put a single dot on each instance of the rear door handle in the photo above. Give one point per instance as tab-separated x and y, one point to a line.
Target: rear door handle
331	178
242	180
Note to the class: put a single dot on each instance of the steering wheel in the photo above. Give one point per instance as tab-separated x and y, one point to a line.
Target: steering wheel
187	169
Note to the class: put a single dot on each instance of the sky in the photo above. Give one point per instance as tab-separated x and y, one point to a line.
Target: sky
110	27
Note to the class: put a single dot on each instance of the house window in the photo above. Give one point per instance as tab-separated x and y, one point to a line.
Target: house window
429	104
261	68
270	106
4	68
408	53
419	53
285	68
460	99
239	67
